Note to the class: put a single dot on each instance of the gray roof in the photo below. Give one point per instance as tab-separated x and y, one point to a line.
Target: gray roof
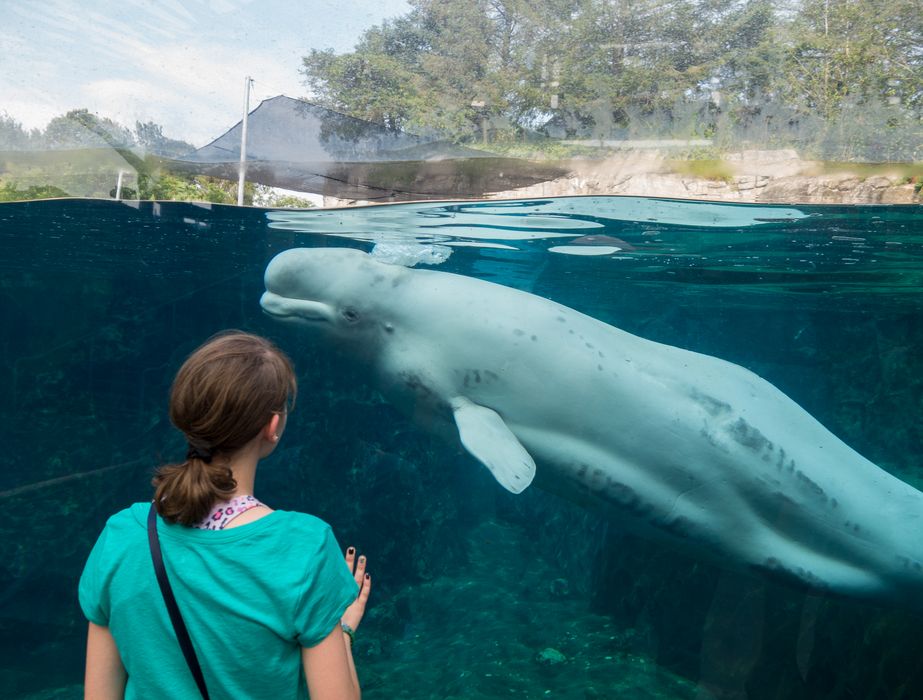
301	146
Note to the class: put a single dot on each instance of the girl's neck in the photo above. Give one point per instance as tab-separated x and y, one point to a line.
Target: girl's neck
243	467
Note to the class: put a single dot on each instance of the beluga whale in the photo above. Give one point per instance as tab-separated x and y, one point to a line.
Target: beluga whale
674	445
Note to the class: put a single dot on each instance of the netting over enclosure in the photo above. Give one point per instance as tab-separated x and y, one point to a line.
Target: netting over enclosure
300	146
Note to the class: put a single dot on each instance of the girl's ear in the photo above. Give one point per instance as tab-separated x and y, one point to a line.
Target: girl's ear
271	429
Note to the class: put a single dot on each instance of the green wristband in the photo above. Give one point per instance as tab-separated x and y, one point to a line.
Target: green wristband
350	632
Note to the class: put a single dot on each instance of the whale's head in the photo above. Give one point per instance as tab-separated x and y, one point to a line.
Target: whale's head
336	290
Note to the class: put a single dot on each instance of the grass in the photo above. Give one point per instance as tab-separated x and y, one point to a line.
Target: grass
704	169
906	172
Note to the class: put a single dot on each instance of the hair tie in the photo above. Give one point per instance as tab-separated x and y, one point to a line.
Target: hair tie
199	453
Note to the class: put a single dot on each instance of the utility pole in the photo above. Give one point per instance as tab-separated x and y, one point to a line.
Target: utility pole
248	81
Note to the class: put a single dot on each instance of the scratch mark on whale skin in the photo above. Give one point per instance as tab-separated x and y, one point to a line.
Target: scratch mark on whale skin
678	526
473	377
712	406
415	383
811	485
748	436
751	438
796	577
596	483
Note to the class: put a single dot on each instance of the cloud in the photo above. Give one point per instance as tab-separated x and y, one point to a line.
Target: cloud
194	90
201	87
180	64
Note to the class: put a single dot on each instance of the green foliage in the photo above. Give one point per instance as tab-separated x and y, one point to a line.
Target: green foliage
863	51
839	78
81	129
267	197
10	192
81	154
197	188
150	136
86	172
12	135
289	201
905	173
545	149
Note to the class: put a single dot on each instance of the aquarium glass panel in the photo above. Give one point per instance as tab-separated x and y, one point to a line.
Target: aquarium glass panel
679	372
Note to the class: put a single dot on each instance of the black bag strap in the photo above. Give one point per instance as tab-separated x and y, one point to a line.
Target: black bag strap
182	634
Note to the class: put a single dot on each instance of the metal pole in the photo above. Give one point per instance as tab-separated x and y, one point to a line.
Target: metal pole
243	143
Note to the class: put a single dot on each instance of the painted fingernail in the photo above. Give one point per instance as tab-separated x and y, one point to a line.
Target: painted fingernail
367	577
362	560
350	551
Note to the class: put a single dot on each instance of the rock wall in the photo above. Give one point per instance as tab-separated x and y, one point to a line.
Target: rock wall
749	176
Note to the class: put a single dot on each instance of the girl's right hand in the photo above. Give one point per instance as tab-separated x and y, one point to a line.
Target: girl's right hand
354	613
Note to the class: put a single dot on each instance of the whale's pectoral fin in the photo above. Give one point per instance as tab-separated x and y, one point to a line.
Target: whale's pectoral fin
484	434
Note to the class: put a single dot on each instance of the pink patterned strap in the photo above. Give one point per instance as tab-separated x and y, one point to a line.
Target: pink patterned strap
225	511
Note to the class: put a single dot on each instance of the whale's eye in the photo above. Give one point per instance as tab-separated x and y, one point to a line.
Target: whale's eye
350	314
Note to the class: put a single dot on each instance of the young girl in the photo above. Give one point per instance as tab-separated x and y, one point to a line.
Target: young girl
268	602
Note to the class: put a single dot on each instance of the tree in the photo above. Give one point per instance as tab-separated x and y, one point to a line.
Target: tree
195	188
444	67
866	50
730	69
12	136
856	69
449	64
81	129
10	192
149	136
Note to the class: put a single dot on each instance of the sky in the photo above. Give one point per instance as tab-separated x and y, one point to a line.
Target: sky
181	64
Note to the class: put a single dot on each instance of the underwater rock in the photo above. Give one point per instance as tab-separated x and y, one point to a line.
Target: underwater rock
559	588
550	657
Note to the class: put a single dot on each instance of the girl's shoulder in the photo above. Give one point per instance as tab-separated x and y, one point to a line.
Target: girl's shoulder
315	536
129	518
302	521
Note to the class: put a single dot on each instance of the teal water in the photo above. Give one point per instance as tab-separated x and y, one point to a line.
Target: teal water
479	593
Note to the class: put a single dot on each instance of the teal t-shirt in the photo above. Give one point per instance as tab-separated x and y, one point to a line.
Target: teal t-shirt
251	597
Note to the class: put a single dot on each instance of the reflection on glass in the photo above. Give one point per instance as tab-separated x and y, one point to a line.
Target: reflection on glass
808	101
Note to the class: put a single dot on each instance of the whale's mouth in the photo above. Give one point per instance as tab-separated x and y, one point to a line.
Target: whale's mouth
282	307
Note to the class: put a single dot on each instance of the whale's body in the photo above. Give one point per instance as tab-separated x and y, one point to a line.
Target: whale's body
676	445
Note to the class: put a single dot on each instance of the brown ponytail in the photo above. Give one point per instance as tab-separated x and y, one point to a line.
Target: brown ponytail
222	396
